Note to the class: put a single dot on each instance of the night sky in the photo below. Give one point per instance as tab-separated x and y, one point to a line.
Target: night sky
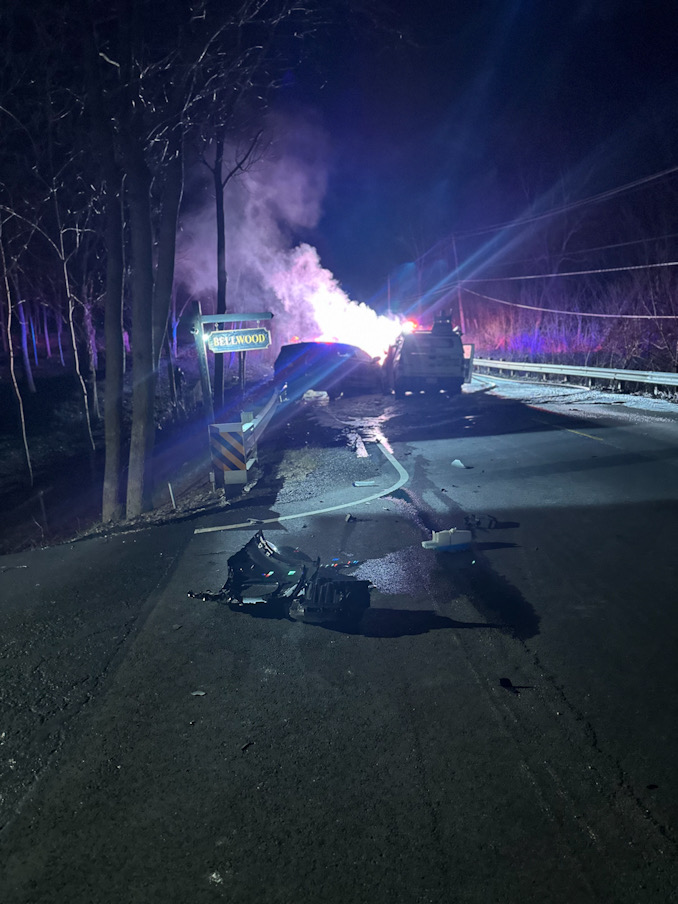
456	115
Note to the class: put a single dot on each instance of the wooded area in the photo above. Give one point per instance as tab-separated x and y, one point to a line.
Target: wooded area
102	105
591	282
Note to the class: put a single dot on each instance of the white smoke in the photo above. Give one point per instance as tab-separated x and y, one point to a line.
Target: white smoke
267	207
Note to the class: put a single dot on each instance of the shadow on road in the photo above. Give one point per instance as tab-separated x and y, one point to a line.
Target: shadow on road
405	622
375	622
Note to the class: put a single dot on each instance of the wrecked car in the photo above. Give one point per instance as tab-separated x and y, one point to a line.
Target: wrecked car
334	367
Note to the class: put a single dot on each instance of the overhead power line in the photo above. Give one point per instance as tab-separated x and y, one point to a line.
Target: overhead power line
530	307
568	273
578	252
592	199
652	238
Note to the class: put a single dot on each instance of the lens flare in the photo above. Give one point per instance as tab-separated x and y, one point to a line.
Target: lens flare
304	284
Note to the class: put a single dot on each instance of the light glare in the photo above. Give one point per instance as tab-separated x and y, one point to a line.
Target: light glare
304	283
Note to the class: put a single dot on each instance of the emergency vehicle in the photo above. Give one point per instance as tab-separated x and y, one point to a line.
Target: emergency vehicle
434	360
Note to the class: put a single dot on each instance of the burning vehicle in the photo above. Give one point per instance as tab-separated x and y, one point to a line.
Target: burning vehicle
333	367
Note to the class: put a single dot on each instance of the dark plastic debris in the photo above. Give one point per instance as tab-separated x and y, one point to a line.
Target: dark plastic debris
285	583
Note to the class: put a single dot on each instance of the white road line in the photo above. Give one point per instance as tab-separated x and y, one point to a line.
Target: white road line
403	477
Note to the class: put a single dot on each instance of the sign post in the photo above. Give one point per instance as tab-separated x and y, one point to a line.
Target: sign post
196	329
229	340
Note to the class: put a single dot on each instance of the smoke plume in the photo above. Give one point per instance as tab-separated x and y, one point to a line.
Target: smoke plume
270	207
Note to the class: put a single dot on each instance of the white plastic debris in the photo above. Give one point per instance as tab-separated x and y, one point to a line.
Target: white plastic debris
364	483
458	464
197	693
451	540
318	397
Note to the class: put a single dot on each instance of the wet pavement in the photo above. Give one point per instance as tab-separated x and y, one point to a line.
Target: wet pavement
158	747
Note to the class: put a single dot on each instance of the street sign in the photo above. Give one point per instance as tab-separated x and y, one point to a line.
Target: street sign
238	340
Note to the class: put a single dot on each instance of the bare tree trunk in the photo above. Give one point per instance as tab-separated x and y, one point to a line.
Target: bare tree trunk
60	329
45	329
92	357
174	321
76	359
171	374
220	181
70	303
25	357
4	316
112	506
166	244
222	276
138	196
143	371
31	320
12	371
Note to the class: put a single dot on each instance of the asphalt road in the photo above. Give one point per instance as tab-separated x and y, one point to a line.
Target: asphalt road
501	726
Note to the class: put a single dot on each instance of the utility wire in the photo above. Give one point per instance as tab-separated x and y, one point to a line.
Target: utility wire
654	238
593	199
567	273
579	251
530	307
451	286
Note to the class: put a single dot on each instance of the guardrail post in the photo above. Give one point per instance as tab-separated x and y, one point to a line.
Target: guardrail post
233	446
227	448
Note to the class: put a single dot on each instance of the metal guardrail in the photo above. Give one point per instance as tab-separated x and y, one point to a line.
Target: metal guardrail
254	427
654	378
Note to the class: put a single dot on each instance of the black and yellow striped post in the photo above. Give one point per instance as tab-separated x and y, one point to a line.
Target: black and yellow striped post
229	452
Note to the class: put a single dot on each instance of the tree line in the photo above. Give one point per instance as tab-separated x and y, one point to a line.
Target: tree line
103	105
593	284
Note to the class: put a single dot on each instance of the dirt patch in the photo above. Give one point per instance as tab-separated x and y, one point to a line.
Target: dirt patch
299	465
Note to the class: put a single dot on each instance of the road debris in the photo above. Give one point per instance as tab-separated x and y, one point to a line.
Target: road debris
357	444
285	583
317	397
460	464
337	563
449	540
364	483
198	693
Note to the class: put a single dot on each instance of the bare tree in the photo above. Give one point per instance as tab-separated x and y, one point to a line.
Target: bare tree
12	371
239	163
208	49
142	87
